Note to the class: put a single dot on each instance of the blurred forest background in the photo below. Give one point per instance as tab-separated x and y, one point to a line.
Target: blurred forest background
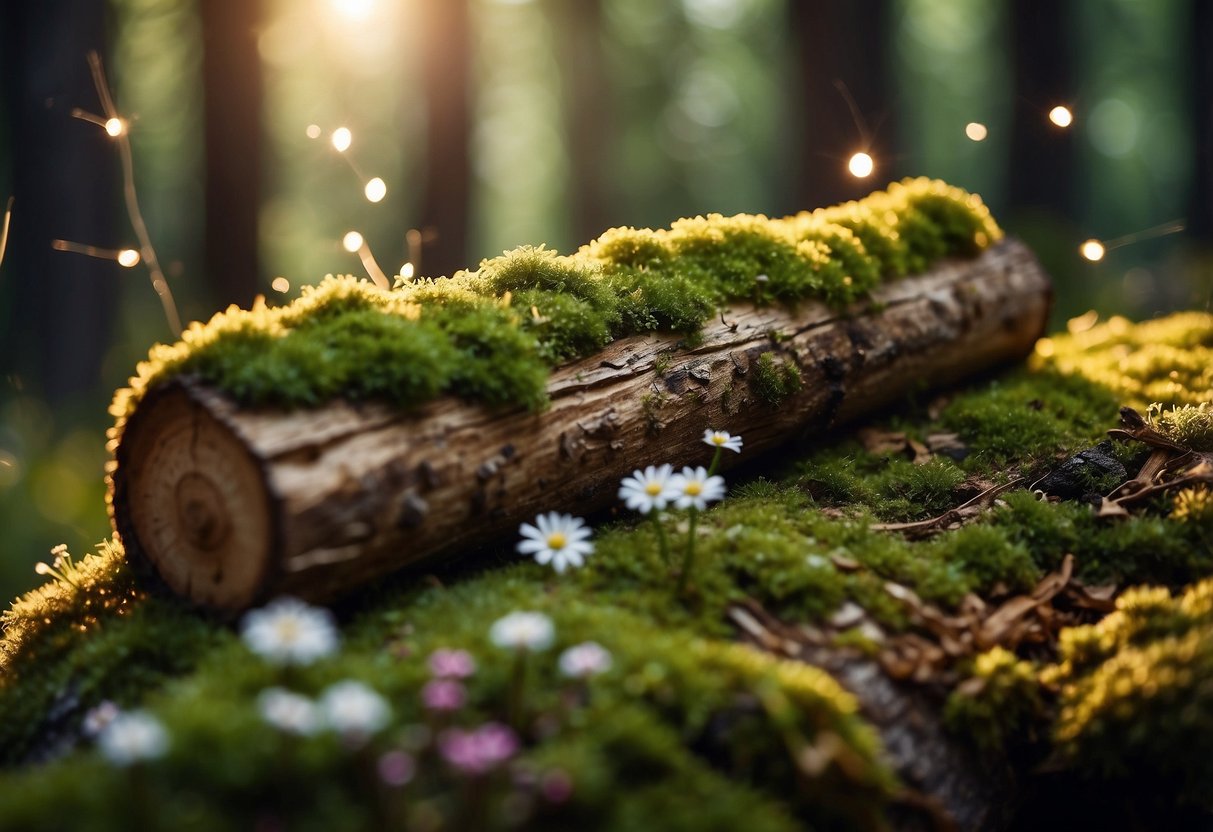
495	123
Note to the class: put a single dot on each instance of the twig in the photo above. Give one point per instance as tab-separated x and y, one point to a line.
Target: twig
937	523
159	282
8	215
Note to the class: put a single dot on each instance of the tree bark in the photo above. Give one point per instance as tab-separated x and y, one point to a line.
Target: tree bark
232	506
232	94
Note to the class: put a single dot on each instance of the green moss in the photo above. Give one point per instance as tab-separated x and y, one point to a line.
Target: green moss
1190	425
1000	705
774	380
1136	693
492	334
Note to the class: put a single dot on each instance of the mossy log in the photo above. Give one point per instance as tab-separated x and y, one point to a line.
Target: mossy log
233	505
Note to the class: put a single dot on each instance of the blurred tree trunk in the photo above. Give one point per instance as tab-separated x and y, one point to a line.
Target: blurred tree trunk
232	93
1042	154
447	77
1200	214
848	44
56	309
579	28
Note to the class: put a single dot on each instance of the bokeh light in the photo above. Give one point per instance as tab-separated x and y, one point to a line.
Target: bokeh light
128	258
375	190
115	127
976	131
352	241
280	284
313	131
1061	116
861	165
342	138
1092	250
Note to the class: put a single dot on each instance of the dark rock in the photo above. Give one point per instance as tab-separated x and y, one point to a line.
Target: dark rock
1088	473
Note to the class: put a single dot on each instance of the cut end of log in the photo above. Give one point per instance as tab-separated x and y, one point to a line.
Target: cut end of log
196	503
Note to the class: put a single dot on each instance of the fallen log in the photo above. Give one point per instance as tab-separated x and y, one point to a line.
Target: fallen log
231	506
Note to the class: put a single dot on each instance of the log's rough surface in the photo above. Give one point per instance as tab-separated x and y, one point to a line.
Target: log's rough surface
231	506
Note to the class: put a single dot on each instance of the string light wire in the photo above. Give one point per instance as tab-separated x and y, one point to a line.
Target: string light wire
159	282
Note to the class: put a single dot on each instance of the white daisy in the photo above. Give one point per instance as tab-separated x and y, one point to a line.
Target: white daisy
288	631
559	539
722	439
132	737
353	709
289	712
587	659
648	489
529	631
696	489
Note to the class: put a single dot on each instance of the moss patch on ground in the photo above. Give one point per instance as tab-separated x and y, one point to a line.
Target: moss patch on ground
686	726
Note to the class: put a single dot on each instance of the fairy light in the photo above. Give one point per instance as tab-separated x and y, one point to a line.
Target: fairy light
407	271
1092	250
352	241
342	138
313	131
280	284
976	131
1061	116
115	127
375	190
125	257
861	165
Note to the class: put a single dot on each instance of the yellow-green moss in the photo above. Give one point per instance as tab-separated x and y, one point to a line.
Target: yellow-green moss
1136	693
1000	704
492	334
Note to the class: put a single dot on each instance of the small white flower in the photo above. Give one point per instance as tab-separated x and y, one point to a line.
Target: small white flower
289	712
559	539
587	659
352	708
96	720
648	489
696	489
531	631
722	439
288	631
132	737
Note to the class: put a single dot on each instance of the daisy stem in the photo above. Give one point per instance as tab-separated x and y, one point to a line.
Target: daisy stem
662	541
688	560
517	691
715	461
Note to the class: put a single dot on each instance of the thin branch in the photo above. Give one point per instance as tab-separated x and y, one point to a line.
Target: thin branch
8	216
159	282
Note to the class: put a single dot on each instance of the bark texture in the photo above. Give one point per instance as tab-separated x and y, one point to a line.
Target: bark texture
231	506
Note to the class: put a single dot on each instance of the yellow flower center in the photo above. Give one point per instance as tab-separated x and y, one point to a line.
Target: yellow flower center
287	629
718	439
556	541
653	489
692	489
